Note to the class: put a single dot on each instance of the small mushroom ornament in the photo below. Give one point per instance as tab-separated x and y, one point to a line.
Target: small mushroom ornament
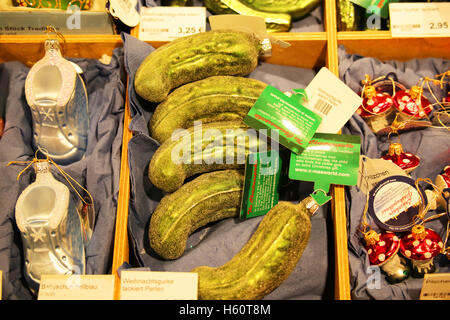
421	246
382	249
405	160
411	104
377	108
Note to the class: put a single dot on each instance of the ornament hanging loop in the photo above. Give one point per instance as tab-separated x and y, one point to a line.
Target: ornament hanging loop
55	44
66	176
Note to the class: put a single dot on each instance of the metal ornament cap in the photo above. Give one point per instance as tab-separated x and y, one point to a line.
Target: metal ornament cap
421	245
411	103
405	160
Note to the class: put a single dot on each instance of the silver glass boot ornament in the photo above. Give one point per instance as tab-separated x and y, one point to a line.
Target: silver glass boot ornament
52	228
57	97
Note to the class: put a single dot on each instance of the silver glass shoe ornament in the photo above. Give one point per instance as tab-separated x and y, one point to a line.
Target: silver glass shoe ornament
58	100
51	228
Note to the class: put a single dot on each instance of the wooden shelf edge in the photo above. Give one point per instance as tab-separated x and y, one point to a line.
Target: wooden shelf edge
121	246
91	38
342	272
377	35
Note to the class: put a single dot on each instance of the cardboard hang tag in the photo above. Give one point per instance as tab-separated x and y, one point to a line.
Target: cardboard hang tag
285	118
328	159
332	99
373	171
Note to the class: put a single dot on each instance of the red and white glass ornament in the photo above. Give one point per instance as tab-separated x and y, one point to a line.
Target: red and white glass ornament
421	246
382	249
405	160
411	104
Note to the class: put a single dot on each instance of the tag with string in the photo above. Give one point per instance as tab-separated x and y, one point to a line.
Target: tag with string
328	159
85	208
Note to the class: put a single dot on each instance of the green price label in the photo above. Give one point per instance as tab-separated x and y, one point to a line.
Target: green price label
294	124
262	177
328	159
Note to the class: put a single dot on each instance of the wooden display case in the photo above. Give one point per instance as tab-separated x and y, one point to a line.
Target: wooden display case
307	50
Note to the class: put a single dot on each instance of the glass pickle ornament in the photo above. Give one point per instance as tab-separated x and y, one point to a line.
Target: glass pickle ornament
58	100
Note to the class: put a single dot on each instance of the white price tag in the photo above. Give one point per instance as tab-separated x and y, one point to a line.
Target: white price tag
76	287
420	19
332	99
169	23
158	285
436	286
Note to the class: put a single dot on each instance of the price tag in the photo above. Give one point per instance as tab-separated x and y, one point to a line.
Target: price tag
420	19
76	287
332	99
155	285
436	286
169	23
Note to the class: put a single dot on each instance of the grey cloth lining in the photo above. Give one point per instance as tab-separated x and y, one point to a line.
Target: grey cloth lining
432	145
219	242
98	170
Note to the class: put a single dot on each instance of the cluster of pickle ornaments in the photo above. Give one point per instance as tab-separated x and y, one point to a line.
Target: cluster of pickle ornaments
200	79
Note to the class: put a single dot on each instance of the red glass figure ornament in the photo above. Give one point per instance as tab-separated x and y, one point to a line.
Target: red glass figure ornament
412	104
405	160
421	246
377	108
382	249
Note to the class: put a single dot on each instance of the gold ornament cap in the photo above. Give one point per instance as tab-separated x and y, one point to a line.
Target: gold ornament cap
415	91
370	92
419	232
371	237
395	149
